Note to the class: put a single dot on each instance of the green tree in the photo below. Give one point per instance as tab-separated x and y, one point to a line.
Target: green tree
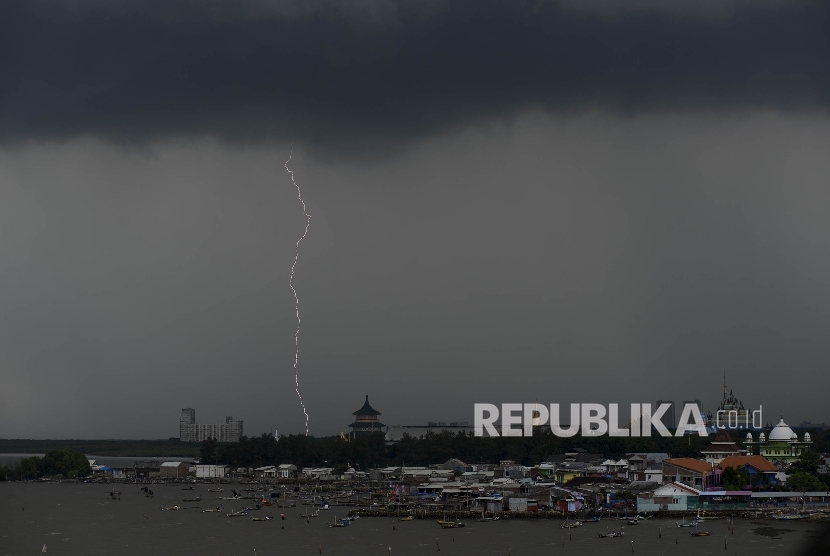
65	462
207	452
802	481
734	479
807	462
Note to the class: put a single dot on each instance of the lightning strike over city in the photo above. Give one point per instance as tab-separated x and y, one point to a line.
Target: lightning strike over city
297	299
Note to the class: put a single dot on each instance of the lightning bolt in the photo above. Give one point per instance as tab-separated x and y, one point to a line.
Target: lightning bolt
291	284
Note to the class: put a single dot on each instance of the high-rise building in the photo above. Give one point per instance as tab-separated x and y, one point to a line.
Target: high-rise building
187	422
668	419
191	431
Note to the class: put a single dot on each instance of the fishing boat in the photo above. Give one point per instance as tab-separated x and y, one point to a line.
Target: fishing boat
683	523
406	518
611	534
214	510
789	517
450	524
170	508
215	489
568	525
197	499
266	518
237	514
340	522
697	533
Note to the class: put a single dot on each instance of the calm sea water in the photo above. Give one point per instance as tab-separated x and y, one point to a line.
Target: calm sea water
80	519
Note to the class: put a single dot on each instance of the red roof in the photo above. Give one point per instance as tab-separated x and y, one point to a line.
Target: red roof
737	462
689	463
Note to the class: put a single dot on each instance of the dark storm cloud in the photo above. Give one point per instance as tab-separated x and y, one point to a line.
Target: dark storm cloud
384	72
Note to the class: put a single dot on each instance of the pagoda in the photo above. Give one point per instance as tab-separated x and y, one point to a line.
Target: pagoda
366	421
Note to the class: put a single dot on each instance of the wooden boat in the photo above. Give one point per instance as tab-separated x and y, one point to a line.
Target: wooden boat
406	518
568	525
197	499
340	522
266	518
237	514
450	524
611	534
697	533
209	510
170	508
684	524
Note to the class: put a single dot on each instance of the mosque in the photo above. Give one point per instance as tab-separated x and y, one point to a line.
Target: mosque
782	446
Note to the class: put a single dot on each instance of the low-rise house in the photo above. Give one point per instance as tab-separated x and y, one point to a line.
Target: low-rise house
266	472
654	475
173	469
688	471
760	470
121	472
571	503
319	473
211	471
146	469
672	496
287	471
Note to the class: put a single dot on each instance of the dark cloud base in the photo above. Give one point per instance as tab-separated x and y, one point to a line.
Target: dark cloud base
138	74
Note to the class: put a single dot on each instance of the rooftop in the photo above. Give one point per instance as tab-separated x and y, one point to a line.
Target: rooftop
366	409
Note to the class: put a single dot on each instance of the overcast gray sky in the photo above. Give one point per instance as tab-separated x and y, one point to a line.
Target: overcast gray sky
511	201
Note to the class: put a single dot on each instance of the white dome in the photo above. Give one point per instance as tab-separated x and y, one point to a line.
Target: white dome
749	437
806	437
762	437
781	432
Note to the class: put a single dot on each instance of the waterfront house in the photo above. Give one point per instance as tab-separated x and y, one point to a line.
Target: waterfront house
173	469
266	472
211	471
287	471
673	496
688	471
760	470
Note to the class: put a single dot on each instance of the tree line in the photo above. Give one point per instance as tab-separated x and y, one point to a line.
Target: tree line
58	464
372	451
